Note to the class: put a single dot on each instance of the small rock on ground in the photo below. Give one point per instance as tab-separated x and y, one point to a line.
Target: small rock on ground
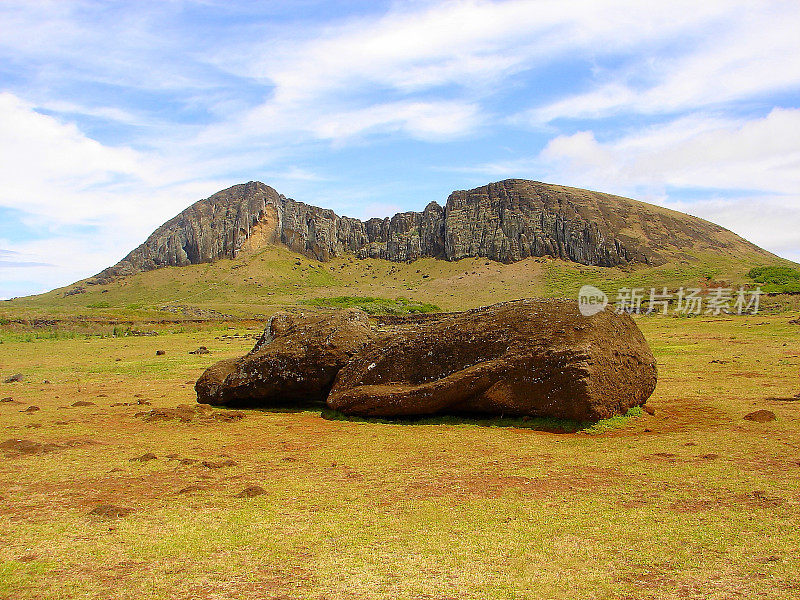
27	447
110	511
251	492
761	416
190	489
144	457
219	464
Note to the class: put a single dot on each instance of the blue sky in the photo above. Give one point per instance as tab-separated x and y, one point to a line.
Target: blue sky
114	116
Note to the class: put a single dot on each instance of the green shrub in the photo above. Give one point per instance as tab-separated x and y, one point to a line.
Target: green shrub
776	279
101	304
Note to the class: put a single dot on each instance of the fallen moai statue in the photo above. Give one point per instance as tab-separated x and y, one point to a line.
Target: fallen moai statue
537	357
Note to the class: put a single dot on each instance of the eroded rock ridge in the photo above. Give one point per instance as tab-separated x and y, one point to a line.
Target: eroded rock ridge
505	221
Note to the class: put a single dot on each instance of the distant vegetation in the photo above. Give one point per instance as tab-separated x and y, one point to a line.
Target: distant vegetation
375	306
776	279
101	304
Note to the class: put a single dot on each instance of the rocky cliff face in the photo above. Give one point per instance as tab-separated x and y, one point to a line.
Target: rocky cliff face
505	221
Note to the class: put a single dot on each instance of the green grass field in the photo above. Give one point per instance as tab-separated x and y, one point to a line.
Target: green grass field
692	502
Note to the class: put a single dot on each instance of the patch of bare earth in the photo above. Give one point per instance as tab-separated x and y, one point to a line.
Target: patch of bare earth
707	499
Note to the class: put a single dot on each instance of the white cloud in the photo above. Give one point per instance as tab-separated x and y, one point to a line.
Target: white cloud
40	156
325	82
762	154
464	41
333	81
55	173
60	260
424	120
750	52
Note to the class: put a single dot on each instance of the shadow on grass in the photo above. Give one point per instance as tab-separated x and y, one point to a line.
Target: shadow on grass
290	406
548	424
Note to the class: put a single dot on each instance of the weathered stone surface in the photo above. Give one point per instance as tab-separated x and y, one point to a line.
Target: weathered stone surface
296	360
528	357
210	387
505	221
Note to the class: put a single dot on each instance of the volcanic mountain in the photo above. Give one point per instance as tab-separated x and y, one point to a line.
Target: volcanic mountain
506	221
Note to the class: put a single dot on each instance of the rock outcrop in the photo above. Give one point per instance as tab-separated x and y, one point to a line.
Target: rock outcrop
505	221
528	357
295	361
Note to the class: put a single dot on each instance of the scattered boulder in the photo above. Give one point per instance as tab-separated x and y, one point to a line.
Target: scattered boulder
190	489
18	446
219	464
228	416
200	350
160	352
537	357
17	377
7	399
251	492
649	410
147	456
761	416
296	360
183	412
31	409
83	403
110	511
187	413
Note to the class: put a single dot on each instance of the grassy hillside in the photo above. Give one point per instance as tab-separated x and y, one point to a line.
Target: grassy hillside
258	283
